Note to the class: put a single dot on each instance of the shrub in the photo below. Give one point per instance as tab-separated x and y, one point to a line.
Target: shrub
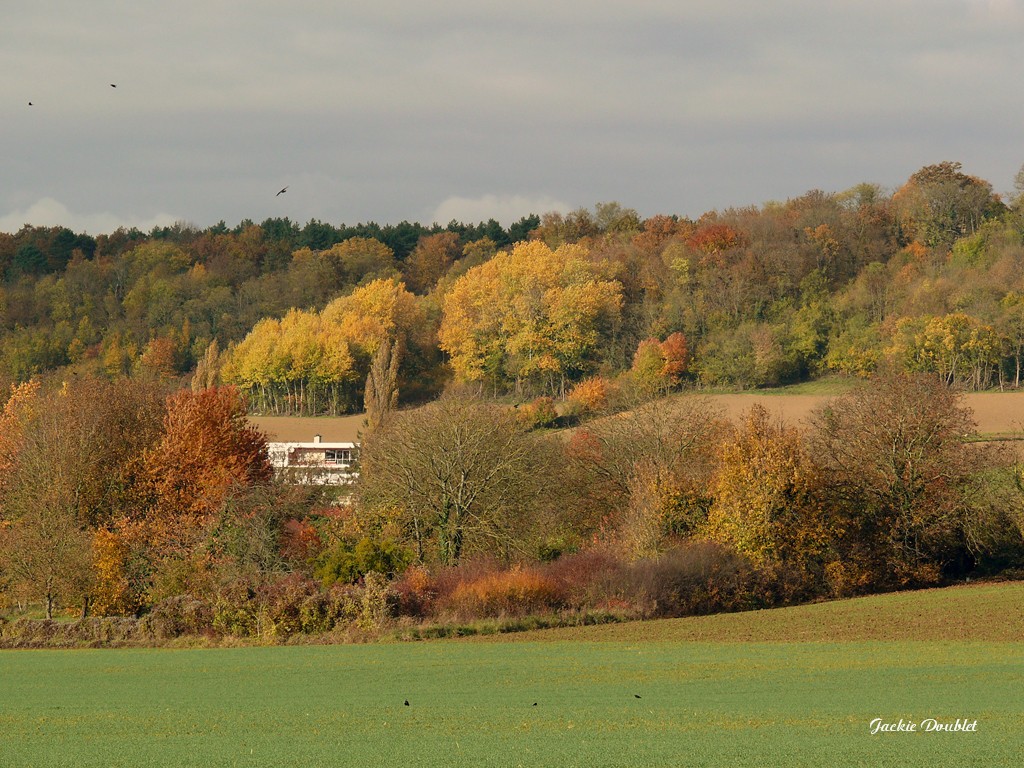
513	592
178	616
538	414
590	396
589	579
281	604
416	592
90	632
695	578
347	563
377	602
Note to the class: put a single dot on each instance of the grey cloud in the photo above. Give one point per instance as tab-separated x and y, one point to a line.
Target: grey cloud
391	110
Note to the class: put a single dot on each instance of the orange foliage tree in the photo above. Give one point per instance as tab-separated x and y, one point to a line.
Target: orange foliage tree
660	365
206	447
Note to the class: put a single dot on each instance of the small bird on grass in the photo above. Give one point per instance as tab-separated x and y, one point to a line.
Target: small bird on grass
637	696
407	702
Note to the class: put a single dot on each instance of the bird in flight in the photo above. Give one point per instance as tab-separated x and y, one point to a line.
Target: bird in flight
113	85
30	103
282	191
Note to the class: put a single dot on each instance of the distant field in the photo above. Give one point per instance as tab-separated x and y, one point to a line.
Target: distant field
732	702
996	413
298	429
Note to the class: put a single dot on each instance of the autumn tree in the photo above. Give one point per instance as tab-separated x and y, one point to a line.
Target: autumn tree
644	474
660	365
530	315
206	448
73	470
22	401
361	259
44	548
430	260
457	472
767	503
1010	324
899	477
381	396
956	347
940	203
208	369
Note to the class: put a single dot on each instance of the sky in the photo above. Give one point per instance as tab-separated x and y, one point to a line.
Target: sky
471	109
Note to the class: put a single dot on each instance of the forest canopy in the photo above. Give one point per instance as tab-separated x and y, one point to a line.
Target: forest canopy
927	278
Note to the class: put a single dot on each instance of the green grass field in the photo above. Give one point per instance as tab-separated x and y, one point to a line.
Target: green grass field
732	702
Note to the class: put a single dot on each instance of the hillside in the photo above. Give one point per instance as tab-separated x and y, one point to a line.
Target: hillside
971	612
743	298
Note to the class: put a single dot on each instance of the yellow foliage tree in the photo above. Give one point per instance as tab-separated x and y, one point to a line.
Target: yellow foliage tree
532	313
310	362
765	498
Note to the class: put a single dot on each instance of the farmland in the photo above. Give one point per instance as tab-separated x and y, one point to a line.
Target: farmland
996	413
747	697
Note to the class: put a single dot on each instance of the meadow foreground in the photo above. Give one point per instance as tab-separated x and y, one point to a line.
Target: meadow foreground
648	693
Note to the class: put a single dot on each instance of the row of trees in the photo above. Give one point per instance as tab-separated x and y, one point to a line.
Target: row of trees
312	362
105	488
144	502
926	278
881	490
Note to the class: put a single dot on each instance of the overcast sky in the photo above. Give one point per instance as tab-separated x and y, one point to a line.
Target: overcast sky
469	109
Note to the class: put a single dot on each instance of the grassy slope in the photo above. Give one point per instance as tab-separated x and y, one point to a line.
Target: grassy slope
974	612
735	703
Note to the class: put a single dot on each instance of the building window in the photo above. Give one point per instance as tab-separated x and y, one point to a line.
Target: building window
338	456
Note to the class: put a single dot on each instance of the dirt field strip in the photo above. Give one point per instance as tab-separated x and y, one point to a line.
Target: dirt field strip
301	429
998	413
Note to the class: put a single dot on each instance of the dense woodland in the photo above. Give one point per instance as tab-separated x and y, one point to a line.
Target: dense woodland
928	278
131	484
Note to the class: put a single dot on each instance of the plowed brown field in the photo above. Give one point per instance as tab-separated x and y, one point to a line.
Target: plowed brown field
996	413
301	429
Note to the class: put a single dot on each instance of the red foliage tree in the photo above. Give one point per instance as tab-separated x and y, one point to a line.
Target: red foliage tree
206	447
677	358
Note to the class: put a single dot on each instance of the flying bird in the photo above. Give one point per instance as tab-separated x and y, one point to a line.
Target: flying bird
113	85
30	103
282	191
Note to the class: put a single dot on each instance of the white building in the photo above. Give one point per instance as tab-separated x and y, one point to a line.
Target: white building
315	463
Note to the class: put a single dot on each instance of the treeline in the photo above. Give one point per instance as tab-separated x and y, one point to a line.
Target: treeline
151	304
103	486
929	278
119	500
